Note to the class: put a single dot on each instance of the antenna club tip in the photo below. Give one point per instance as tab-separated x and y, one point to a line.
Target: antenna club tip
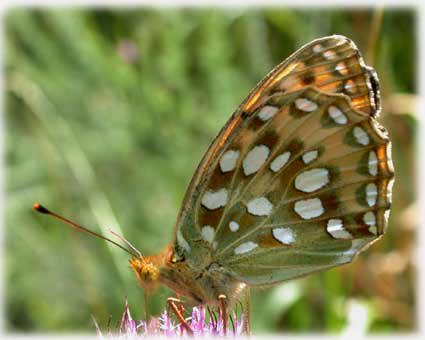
38	207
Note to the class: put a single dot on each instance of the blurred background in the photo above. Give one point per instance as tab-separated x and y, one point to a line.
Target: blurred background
107	114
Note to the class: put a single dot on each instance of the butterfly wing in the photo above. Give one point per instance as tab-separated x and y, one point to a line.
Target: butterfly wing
300	177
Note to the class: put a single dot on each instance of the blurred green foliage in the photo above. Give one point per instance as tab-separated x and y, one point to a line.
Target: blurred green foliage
108	113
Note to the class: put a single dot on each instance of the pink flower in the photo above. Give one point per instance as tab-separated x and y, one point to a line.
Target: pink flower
165	325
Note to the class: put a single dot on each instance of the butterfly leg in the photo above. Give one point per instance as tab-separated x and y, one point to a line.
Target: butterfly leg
172	302
181	306
223	304
247	310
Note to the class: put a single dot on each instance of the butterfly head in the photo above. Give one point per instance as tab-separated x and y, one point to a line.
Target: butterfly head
148	268
146	272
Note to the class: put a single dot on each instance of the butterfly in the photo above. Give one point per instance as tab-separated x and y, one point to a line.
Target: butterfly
297	181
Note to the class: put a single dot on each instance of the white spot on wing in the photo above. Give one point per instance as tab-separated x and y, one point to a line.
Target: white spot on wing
280	161
182	242
312	180
305	105
350	86
369	218
329	54
267	112
259	206
208	233
373	163
255	159
317	48
233	226
337	115
335	227
228	160
310	156
245	247
309	208
341	68
284	235
215	199
361	136
371	194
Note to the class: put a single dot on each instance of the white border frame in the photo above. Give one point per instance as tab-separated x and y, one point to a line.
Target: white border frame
5	5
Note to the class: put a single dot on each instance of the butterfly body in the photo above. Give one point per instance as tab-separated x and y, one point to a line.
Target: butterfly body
199	284
298	180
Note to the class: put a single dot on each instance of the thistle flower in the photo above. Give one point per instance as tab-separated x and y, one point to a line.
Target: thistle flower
166	326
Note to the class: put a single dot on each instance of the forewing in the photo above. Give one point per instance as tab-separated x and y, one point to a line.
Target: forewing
300	177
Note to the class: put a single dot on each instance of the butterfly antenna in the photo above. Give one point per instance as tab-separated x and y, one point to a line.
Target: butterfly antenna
127	243
38	207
